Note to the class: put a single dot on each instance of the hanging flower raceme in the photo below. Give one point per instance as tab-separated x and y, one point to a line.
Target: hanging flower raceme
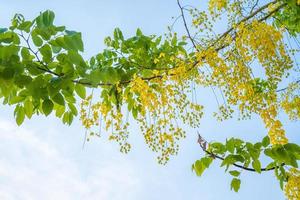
292	187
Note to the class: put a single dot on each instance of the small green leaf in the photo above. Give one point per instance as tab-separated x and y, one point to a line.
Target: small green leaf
230	159
235	184
230	145
73	109
118	35
25	26
266	141
67	118
76	58
47	106
199	167
25	53
46	53
59	110
56	49
235	173
271	165
59	99
139	32
20	115
28	108
80	90
37	41
256	165
134	113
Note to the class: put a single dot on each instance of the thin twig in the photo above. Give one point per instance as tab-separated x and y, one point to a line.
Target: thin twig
185	25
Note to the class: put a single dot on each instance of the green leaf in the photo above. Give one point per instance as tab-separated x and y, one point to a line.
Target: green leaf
48	18
80	90
217	147
75	58
230	145
206	161
139	32
256	165
59	110
67	118
271	165
105	75
134	113
230	159
73	109
56	49
46	53
16	99
291	147
199	167
47	106
37	41
118	35
281	154
235	173
28	108
20	115
25	53
110	75
74	42
235	184
59	99
146	73
25	26
45	19
292	161
266	141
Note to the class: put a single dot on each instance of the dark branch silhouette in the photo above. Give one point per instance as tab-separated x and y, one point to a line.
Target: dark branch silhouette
203	144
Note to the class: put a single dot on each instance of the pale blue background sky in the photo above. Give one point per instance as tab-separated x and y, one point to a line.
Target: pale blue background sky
44	159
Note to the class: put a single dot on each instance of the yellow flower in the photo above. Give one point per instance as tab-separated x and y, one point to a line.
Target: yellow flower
292	188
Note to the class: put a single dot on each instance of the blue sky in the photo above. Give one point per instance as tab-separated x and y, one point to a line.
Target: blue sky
44	159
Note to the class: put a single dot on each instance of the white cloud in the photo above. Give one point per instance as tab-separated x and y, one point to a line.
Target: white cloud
32	168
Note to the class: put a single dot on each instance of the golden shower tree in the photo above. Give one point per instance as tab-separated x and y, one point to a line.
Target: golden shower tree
252	66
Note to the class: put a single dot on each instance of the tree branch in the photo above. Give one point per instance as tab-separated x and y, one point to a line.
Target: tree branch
203	144
185	25
189	36
283	89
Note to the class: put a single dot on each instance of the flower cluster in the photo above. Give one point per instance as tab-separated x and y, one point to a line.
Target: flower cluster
217	5
164	105
290	102
263	42
160	105
276	131
292	187
232	72
92	115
